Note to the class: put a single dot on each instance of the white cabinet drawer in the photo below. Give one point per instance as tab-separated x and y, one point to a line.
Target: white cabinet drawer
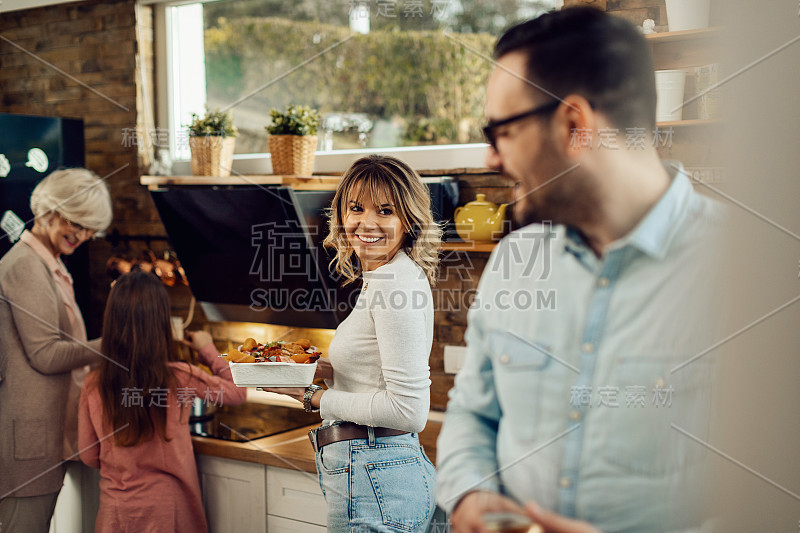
233	494
276	524
295	495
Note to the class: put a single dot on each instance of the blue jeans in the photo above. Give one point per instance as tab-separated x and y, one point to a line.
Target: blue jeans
379	484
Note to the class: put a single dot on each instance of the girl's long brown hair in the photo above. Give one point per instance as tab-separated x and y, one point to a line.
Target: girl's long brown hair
137	343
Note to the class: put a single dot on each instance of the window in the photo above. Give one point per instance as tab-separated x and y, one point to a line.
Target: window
395	75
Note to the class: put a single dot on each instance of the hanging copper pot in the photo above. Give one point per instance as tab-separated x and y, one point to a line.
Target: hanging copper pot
116	266
165	270
180	274
168	269
145	261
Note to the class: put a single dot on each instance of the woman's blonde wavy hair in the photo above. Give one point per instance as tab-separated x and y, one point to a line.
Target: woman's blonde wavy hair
384	176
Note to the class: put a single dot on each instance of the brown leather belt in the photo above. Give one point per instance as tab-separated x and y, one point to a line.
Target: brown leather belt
350	431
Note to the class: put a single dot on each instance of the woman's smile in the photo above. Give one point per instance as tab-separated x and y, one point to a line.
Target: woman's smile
368	239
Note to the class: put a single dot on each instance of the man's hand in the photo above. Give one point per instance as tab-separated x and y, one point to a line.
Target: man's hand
555	523
467	517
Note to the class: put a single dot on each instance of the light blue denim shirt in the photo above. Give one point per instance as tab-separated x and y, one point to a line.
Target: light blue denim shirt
578	367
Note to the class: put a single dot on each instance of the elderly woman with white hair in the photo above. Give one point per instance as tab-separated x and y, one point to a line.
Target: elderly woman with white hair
42	340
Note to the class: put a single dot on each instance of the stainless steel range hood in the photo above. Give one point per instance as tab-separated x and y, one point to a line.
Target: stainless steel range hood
253	253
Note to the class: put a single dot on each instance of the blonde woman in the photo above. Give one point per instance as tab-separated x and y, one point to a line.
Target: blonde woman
42	339
372	470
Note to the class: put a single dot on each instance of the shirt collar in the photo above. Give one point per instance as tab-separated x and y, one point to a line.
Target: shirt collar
575	244
55	265
653	234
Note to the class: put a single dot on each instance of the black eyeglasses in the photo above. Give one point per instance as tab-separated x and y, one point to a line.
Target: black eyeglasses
489	129
77	228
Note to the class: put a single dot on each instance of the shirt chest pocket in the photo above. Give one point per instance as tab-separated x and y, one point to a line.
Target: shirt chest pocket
644	432
520	377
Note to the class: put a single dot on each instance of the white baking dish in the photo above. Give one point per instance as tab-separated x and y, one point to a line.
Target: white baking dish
272	374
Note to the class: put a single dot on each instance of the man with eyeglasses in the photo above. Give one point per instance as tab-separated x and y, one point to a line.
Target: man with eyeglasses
582	382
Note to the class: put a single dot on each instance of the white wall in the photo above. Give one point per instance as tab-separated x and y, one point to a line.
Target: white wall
756	424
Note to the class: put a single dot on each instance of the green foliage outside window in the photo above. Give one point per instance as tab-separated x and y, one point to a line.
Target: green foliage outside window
429	84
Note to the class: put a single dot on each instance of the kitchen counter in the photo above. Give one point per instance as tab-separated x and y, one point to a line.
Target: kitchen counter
291	450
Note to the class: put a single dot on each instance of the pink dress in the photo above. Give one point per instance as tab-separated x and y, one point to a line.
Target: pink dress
153	487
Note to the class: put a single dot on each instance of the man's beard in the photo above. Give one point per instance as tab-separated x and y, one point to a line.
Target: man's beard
567	200
525	213
539	206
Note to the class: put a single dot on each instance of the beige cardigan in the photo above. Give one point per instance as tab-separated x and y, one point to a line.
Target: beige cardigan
36	358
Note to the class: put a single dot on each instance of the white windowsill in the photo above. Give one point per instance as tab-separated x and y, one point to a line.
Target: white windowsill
336	162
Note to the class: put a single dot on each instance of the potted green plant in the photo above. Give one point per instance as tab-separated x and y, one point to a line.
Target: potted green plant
211	139
292	140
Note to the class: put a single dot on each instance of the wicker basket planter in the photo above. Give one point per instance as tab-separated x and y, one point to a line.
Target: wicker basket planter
292	155
212	155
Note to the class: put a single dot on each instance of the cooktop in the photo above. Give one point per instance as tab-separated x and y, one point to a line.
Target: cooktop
251	421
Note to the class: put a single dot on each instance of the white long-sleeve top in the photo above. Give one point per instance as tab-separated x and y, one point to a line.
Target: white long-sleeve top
380	352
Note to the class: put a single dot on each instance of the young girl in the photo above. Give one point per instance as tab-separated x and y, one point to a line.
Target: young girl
134	413
372	470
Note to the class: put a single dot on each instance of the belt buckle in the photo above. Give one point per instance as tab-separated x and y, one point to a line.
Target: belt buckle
312	436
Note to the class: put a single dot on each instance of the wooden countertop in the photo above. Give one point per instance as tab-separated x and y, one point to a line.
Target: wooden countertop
291	450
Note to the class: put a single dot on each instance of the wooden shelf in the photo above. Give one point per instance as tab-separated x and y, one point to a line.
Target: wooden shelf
684	49
686	35
688	123
464	246
297	182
